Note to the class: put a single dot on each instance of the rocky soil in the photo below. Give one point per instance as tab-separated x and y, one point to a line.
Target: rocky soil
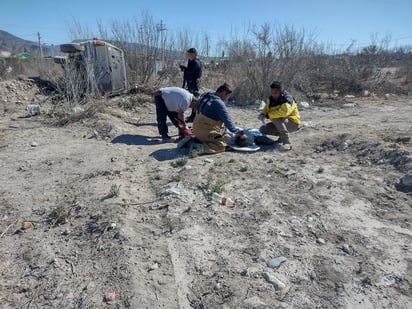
97	213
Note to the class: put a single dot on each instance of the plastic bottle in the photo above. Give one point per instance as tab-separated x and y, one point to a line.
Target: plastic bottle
223	200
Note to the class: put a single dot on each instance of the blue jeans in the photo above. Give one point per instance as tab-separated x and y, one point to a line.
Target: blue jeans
279	127
161	116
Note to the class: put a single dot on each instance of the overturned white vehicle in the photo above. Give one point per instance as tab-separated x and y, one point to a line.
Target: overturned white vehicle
93	66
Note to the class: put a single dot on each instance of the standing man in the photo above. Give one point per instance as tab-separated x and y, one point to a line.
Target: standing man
212	117
191	75
172	102
282	111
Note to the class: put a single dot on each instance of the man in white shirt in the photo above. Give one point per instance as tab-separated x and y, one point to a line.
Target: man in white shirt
172	102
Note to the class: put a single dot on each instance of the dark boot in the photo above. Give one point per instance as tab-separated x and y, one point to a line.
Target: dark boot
283	140
283	143
191	117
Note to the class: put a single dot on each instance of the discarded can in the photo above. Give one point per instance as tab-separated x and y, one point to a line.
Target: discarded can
109	296
26	225
223	200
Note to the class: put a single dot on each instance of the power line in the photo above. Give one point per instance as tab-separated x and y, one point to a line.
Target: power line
360	44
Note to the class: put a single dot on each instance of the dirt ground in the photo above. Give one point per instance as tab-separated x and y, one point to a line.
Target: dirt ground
99	206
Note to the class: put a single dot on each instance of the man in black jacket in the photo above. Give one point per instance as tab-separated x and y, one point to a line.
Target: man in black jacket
191	75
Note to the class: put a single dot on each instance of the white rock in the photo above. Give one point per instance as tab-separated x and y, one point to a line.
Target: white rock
343	146
112	226
320	241
277	284
254	302
387	280
33	109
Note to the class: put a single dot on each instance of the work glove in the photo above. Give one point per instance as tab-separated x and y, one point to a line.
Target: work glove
182	67
187	132
262	118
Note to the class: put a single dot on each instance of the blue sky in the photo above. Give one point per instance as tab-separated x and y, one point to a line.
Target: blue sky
332	22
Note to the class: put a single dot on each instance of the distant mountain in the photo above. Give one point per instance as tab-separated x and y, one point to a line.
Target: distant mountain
14	44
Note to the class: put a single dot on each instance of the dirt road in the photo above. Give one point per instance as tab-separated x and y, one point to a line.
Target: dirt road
108	208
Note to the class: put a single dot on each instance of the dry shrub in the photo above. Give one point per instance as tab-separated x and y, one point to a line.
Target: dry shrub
67	112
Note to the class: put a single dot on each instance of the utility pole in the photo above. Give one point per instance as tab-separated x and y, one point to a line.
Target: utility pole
40	48
160	28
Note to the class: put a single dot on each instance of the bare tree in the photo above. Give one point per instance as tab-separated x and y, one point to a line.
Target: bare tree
77	31
139	39
271	52
251	61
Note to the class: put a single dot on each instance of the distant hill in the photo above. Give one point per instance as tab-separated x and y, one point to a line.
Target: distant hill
14	44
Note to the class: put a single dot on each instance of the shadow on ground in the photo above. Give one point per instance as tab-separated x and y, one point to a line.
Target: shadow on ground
142	124
130	139
169	154
402	188
160	154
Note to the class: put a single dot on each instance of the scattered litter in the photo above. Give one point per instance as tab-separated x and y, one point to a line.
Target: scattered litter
158	206
66	232
156	139
154	266
27	225
290	173
33	109
120	235
349	105
345	248
174	189
109	296
223	200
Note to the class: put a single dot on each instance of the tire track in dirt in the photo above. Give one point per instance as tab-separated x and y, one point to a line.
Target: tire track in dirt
103	243
153	277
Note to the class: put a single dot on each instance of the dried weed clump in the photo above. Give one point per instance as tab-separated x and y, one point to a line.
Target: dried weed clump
217	186
179	162
59	215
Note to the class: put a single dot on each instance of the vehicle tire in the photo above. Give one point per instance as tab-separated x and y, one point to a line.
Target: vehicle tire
71	48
